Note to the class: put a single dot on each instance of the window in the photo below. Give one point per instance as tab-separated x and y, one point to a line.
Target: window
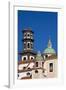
28	73
36	71
24	58
36	64
46	56
28	45
24	67
42	64
28	35
31	58
43	71
51	67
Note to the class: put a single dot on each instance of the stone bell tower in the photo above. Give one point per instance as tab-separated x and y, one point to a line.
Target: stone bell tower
28	54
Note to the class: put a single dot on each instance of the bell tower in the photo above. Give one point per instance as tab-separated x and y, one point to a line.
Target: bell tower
28	40
28	53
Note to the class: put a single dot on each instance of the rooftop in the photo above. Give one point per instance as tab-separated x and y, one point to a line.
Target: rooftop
27	30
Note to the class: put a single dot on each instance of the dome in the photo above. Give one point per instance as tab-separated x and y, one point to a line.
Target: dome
39	57
49	49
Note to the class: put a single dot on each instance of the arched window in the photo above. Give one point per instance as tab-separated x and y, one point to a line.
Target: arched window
28	45
28	35
42	64
24	67
36	64
51	67
24	58
43	71
46	56
36	71
31	58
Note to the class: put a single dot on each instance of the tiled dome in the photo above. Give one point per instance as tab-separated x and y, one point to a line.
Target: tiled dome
39	57
49	49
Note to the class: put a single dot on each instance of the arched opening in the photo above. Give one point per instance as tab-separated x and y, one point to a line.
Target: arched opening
28	45
36	64
46	56
36	71
24	58
51	67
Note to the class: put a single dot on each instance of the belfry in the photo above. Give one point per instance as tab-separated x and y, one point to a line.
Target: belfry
28	53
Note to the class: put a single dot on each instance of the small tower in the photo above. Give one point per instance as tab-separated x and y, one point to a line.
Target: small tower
28	39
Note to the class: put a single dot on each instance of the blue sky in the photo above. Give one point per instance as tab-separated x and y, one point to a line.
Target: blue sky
44	25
